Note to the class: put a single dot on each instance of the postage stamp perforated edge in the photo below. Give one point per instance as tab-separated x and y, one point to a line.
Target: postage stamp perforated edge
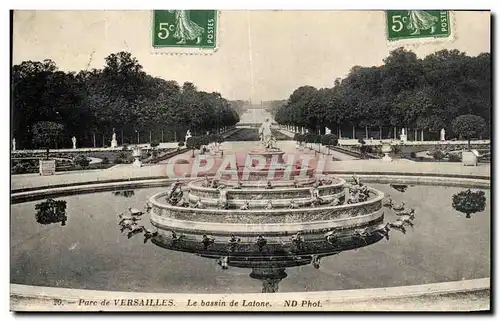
176	51
415	42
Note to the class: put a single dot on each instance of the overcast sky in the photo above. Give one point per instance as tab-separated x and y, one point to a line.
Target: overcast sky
263	55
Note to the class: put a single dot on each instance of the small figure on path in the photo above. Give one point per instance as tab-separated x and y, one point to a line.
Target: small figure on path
73	140
13	144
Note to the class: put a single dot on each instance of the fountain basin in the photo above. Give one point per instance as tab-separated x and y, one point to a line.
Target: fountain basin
254	222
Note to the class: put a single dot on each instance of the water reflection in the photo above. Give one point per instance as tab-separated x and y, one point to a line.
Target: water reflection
51	211
128	193
399	187
469	202
267	257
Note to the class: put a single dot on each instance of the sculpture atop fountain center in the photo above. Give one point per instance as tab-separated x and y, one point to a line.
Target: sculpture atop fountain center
266	136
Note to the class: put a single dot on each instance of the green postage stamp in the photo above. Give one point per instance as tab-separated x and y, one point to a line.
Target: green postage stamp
416	24
184	31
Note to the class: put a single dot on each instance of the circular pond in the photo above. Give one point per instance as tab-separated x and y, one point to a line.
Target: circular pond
82	247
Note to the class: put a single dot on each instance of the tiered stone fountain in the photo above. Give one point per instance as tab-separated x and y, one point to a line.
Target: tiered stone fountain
253	222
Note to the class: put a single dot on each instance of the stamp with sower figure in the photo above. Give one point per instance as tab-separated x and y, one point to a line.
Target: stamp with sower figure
184	31
418	24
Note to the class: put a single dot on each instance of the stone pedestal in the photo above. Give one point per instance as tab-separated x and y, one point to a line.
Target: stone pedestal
403	137
469	158
47	167
114	143
136	153
386	149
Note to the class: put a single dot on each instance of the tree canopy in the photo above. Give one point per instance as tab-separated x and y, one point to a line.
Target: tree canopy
120	96
469	126
404	91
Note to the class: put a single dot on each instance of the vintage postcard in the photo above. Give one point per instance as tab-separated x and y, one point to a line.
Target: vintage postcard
218	160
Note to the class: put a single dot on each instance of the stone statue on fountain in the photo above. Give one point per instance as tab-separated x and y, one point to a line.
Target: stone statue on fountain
266	136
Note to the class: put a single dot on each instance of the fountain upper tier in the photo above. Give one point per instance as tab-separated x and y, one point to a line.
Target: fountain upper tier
258	194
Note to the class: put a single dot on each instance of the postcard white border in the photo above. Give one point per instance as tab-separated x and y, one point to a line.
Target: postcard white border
254	4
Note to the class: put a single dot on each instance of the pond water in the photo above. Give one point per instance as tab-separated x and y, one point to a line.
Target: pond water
89	252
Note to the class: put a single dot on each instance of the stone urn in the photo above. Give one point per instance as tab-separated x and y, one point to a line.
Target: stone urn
47	167
469	157
386	149
137	153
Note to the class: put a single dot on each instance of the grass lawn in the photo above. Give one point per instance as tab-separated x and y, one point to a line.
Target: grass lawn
252	134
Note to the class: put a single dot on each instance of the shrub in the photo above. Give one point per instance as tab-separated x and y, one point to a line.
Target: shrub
154	144
51	211
81	160
46	133
121	158
124	147
454	157
469	202
438	155
329	140
19	168
105	161
413	155
469	126
396	149
298	137
364	150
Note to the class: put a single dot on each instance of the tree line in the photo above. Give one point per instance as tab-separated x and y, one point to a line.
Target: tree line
405	92
120	98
